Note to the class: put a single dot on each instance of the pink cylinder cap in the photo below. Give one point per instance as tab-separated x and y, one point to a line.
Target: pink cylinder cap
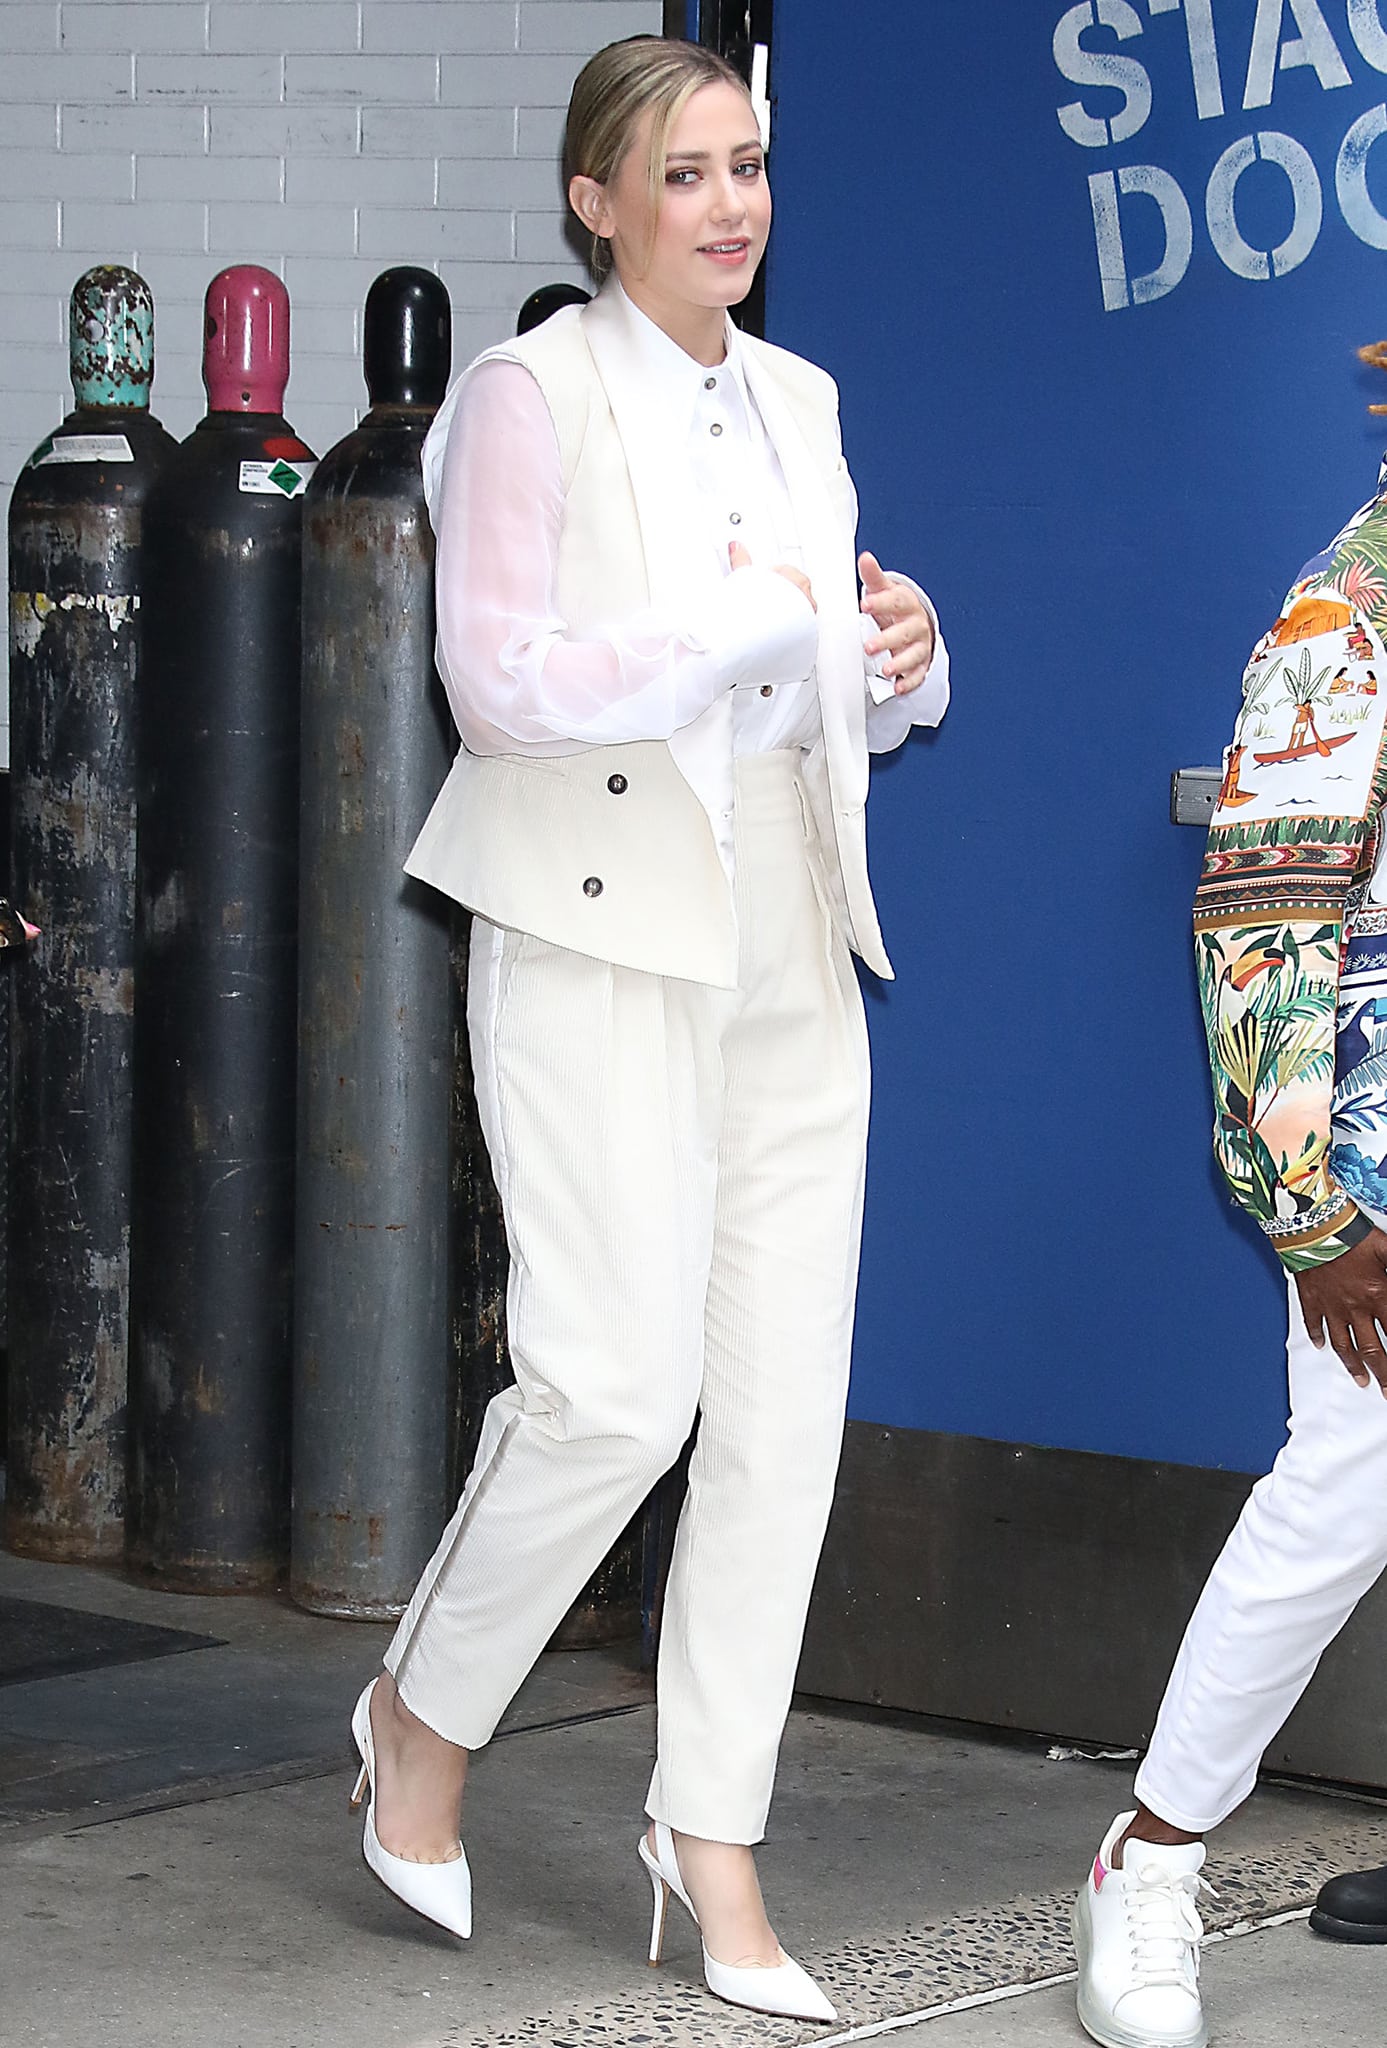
245	357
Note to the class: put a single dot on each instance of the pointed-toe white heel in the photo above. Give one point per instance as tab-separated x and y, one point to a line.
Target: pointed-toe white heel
785	1989
442	1892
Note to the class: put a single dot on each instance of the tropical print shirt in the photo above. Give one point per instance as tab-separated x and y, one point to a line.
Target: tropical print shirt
1291	911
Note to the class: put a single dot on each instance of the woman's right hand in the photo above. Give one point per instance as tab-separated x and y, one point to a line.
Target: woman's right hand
740	559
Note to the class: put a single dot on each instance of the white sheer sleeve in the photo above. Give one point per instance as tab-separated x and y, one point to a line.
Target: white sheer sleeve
517	678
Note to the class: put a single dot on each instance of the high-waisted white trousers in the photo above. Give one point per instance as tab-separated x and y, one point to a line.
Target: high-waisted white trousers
680	1169
1309	1543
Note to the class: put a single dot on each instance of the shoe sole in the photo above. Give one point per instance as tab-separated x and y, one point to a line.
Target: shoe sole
1364	1932
1101	2027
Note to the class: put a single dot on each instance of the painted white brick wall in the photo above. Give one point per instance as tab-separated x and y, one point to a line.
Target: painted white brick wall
325	139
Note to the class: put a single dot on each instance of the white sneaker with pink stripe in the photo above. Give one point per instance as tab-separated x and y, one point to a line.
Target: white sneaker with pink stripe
1137	1930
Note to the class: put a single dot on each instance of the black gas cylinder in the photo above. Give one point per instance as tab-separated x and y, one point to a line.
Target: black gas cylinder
76	592
215	969
370	1318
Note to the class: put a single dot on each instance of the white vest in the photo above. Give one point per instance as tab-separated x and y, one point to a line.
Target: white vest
626	852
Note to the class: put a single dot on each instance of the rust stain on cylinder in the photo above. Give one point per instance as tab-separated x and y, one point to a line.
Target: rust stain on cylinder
110	991
208	1397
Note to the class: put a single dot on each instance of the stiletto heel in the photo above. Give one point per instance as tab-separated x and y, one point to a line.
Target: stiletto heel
785	1989
441	1892
657	1927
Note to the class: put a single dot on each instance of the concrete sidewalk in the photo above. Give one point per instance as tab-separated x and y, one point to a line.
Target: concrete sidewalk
1276	1985
177	1866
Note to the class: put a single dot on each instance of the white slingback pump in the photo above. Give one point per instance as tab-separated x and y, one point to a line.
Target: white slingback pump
442	1892
784	1989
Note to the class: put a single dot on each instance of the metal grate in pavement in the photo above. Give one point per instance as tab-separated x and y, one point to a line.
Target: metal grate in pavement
1018	1943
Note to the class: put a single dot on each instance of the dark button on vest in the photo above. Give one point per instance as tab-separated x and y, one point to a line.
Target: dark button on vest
617	784
592	886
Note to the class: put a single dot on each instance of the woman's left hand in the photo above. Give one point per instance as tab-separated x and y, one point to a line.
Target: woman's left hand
905	630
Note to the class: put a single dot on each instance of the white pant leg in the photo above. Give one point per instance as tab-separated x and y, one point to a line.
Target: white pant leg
599	1091
778	1332
1309	1543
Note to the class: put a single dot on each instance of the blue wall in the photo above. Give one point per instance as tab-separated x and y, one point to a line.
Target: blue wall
1107	506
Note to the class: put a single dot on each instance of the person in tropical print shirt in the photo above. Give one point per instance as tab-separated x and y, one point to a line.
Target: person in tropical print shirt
1291	947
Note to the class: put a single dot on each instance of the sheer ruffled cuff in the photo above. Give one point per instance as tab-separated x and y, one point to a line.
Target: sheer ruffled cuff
756	627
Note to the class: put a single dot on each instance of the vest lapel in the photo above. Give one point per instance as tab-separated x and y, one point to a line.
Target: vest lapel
830	567
656	452
657	461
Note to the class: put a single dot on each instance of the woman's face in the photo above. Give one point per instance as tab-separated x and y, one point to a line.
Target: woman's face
703	247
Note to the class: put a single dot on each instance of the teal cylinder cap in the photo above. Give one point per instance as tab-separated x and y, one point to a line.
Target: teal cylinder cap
111	329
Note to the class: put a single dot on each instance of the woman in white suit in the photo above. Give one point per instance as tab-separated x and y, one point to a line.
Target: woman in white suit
667	685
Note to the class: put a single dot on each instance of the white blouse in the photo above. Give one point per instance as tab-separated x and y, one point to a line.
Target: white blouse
518	680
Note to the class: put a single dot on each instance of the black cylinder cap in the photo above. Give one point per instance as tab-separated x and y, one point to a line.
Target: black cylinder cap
407	352
547	300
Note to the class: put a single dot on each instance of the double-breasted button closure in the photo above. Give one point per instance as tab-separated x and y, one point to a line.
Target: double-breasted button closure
593	886
617	784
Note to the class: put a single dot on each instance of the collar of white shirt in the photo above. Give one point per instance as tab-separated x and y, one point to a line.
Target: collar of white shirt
679	376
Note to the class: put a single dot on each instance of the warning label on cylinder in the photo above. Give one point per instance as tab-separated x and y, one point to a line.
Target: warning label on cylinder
84	448
276	479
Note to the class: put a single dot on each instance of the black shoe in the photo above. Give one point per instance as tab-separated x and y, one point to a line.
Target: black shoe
1353	1907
